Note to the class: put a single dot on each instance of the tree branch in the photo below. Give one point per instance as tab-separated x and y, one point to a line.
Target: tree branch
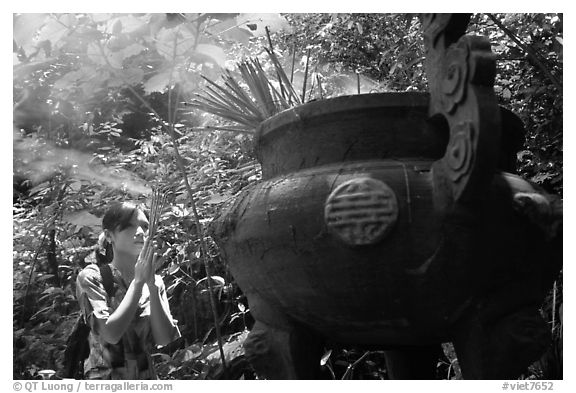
529	51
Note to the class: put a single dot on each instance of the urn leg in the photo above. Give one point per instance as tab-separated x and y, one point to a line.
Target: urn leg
414	362
502	348
289	352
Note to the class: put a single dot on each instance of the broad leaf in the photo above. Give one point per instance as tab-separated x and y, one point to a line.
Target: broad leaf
44	278
102	55
219	280
157	83
100	17
228	30
174	44
94	82
126	24
95	54
130	76
117	27
132	50
133	76
26	28
214	52
116	59
256	23
325	357
56	29
73	78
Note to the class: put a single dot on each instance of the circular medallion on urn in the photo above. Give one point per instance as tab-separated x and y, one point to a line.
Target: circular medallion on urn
361	211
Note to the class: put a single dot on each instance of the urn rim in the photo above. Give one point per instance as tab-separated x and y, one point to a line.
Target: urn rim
346	103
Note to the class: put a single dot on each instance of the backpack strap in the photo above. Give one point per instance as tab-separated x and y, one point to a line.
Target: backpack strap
107	279
108	282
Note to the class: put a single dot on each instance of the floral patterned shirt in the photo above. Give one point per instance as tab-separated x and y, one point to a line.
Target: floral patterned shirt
130	357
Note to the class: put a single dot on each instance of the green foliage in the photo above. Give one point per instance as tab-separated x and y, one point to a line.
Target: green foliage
386	49
529	83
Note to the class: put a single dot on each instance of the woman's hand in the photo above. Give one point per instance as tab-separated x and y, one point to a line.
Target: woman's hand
150	258
144	268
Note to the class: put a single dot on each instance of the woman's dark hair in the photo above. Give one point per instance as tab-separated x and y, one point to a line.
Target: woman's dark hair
117	218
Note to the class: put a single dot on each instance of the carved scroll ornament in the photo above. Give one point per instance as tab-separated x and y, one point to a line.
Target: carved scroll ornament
461	72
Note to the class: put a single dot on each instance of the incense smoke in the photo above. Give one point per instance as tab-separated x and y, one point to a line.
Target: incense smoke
41	160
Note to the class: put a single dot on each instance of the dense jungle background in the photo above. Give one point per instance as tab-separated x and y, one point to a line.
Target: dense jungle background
102	113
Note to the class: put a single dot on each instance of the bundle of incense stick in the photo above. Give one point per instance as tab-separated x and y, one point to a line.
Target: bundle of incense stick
156	207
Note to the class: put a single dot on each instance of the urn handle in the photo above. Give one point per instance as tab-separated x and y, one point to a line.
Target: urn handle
461	71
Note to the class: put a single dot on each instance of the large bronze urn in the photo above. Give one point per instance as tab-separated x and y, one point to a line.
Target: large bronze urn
390	221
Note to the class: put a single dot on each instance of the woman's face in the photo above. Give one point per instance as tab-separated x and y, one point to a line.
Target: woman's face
130	240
